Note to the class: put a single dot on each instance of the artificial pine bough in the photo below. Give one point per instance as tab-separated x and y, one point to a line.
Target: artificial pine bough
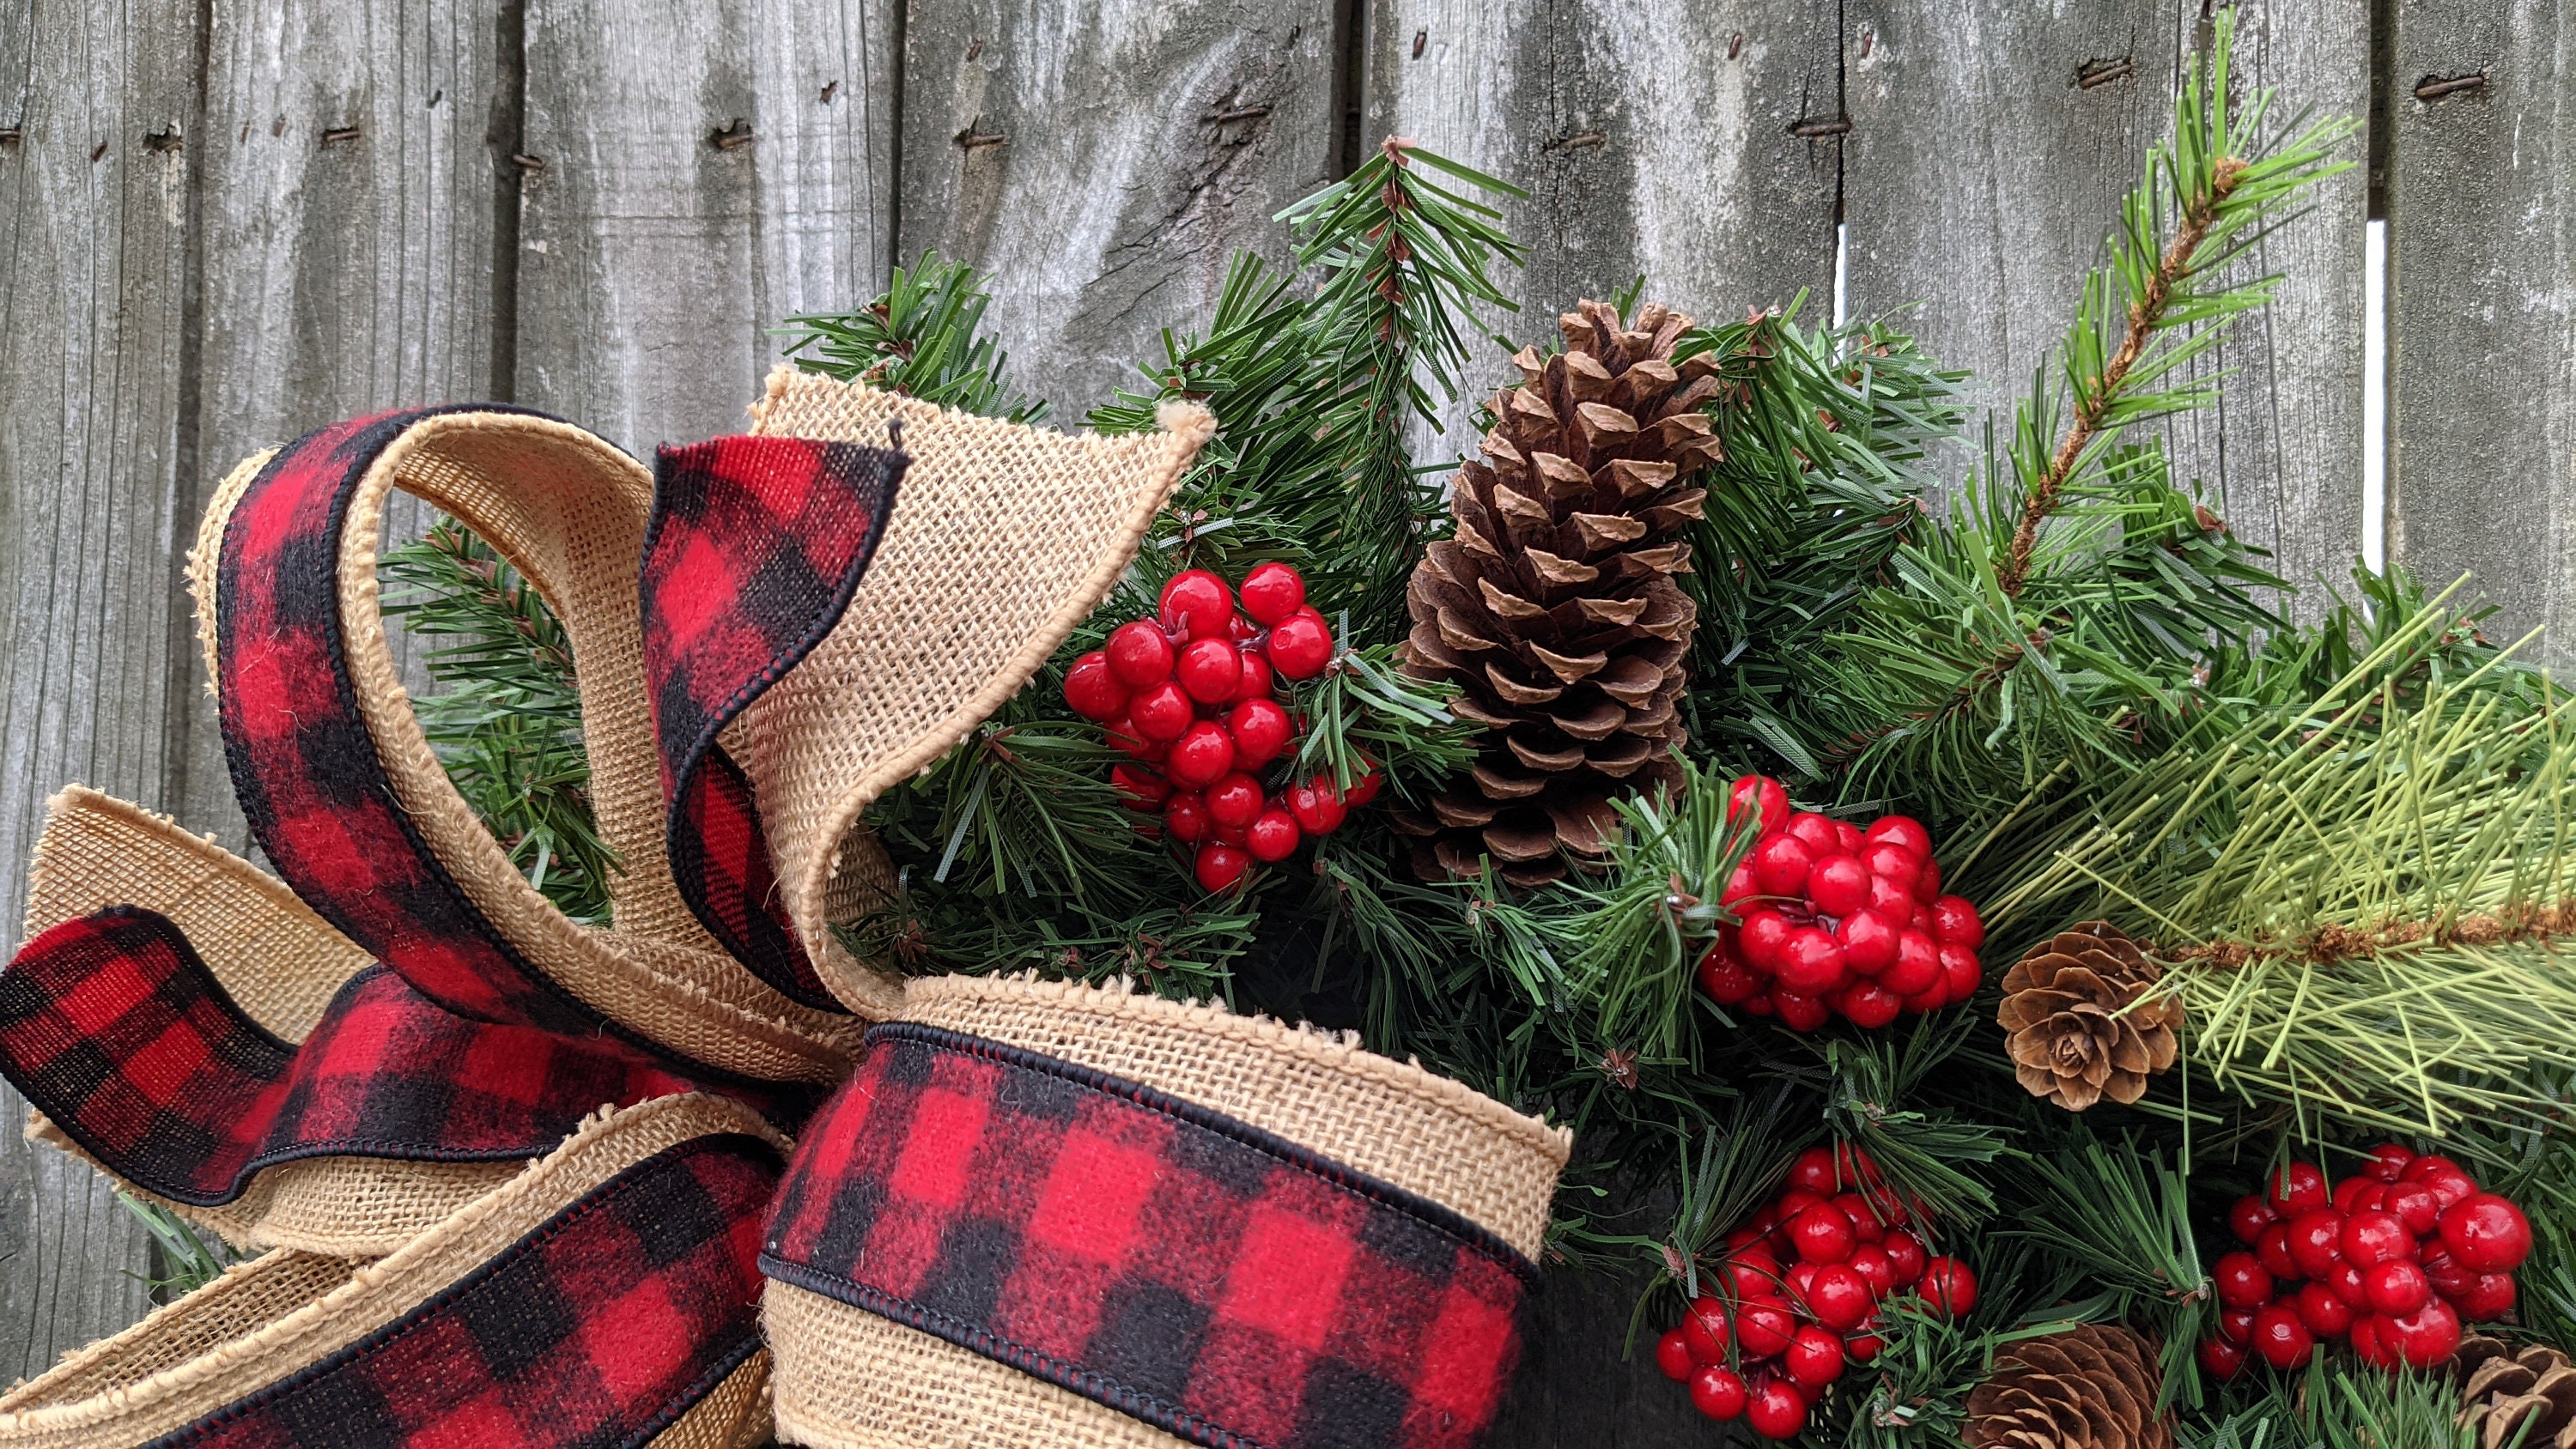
2281	880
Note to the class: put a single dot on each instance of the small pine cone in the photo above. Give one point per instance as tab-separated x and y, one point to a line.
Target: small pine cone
2073	1038
2504	1394
1553	608
2091	1387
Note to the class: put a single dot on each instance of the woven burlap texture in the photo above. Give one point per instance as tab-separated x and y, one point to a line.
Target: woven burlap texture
851	1379
1389	1119
267	1318
846	1378
1002	539
568	511
280	963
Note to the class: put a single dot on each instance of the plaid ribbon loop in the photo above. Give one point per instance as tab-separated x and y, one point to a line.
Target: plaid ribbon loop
1205	1276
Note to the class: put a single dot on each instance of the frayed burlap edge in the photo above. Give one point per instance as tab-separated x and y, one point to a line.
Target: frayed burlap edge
695	1000
849	1379
1392	1120
776	737
126	1389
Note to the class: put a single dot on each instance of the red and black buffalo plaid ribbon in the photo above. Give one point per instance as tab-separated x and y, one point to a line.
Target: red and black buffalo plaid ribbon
754	549
1198	1273
114	1028
601	1327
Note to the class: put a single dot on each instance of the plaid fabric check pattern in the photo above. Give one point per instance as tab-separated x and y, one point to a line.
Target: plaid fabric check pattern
114	1028
601	1327
305	766
1200	1274
754	550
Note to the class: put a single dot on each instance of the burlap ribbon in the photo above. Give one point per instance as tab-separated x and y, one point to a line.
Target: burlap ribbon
514	1167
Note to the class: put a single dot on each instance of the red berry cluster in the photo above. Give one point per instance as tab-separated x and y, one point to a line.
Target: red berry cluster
1766	1341
1839	919
2394	1257
1188	695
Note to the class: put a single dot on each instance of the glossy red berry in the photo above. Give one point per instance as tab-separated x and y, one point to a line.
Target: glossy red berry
1759	792
2371	1238
1139	654
2241	1280
1905	1254
2236	1325
2484	1298
1809	963
1959	970
2450	1186
1317	806
2272	1250
1838	885
2281	1338
1868	1005
1763	1327
1948	1287
1234	800
1272	836
1185	817
1209	670
1868	942
1192	594
1123	735
2344	1281
1727	980
1839	1296
1220	866
2413	1204
1875	1268
2249	1217
2347	1193
2326	1315
2315	1241
2486	1234
1816	832
1300	646
1201	756
1138	787
1776	1410
1901	830
1822	1233
2397	1287
1161	711
2220	1359
1813	1171
2386	1162
1764	935
1893	901
2374	1341
1796	1012
2296	1189
1718	1392
1254	681
1272	592
1704	1330
1091	691
1780	865
1260	730
2427	1337
1955	922
1365	786
2425	1166
1674	1358
1927	886
1813	1359
1888	861
1917	968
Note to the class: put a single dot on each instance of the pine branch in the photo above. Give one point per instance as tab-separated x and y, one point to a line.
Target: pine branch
922	338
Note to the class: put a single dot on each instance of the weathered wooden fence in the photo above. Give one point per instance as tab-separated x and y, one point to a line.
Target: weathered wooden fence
221	225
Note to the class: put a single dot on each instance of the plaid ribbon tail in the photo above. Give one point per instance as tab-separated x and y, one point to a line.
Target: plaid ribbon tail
115	1028
755	548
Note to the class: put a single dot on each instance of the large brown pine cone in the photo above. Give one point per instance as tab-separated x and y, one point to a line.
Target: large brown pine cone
2503	1392
1554	607
2091	1387
2073	1038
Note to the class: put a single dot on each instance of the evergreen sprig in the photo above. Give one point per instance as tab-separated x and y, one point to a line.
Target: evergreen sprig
923	338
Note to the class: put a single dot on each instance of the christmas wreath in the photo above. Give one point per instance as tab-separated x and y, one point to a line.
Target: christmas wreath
2006	968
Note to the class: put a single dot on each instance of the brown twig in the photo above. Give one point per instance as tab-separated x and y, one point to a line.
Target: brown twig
2143	315
2330	944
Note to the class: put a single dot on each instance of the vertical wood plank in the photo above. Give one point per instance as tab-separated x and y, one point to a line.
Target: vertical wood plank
707	170
1990	148
1653	139
1656	139
93	244
1102	161
2482	324
352	179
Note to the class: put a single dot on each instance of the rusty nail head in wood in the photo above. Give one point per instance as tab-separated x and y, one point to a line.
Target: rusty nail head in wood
1817	130
526	162
2433	88
828	91
164	141
1421	38
96	153
1735	47
9	137
1244	113
338	134
1868	43
972	140
2102	72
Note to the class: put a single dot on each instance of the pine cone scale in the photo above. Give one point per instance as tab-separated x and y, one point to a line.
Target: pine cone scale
2083	1019
2090	1387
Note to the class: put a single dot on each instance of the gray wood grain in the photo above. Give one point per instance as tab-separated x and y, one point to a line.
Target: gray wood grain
352	179
93	227
1653	138
2482	324
1991	146
1101	162
702	171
